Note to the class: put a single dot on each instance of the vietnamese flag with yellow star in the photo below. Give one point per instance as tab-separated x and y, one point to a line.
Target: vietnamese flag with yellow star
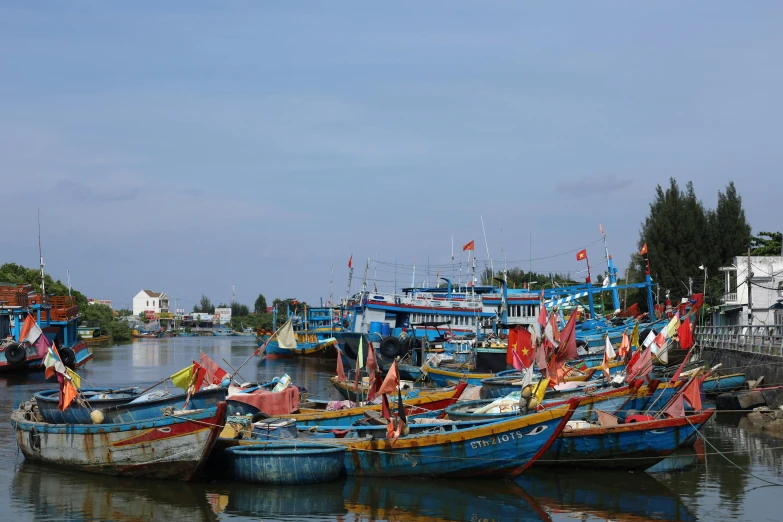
520	342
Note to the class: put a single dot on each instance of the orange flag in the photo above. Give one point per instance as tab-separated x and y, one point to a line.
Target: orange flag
643	250
68	393
340	369
625	346
692	393
392	381
470	246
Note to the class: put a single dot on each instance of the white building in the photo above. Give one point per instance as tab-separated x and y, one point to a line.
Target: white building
149	301
766	292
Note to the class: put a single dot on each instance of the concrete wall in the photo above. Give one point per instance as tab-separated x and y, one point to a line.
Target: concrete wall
754	365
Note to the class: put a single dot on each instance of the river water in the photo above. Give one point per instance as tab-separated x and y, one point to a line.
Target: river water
710	488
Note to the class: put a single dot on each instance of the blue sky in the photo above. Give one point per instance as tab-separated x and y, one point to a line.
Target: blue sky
199	145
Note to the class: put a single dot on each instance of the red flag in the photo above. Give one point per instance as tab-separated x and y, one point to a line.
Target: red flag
385	409
371	365
676	408
567	350
214	374
512	345
542	313
470	246
698	300
541	356
643	250
641	367
517	362
660	339
582	254
692	393
67	393
685	334
198	376
392	380
350	262
340	369
555	329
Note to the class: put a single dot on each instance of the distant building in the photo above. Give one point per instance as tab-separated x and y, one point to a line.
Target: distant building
222	315
153	304
105	302
766	292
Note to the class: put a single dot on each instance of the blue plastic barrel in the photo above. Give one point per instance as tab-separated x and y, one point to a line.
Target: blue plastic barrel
385	329
375	327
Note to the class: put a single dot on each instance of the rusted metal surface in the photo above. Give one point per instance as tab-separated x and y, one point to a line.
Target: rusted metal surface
173	447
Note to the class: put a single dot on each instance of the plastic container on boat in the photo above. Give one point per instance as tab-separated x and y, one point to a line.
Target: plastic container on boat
275	429
385	329
375	327
287	463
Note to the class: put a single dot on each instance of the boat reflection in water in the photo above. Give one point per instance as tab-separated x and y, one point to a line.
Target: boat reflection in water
65	495
277	502
439	500
605	495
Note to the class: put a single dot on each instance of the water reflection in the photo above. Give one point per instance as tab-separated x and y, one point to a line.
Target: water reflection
63	495
322	501
625	496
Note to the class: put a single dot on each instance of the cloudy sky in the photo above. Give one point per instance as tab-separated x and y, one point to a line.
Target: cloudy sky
198	146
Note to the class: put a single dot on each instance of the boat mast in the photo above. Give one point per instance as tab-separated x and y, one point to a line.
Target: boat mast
491	267
612	272
40	255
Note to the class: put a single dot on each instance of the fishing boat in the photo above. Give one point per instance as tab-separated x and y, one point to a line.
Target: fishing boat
314	413
504	449
717	384
287	463
496	409
408	390
92	335
502	384
171	447
55	318
134	409
628	446
313	334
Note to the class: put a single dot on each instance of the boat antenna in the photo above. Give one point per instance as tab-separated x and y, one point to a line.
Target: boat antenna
69	282
331	280
491	268
350	277
40	254
452	256
612	272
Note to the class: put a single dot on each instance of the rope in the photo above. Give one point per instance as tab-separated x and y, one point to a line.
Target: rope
723	454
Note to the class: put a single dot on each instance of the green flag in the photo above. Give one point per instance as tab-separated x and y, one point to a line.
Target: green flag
182	378
360	353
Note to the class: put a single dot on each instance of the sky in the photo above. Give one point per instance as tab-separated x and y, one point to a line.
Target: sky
192	147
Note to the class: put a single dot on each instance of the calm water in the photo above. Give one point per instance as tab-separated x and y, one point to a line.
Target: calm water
711	489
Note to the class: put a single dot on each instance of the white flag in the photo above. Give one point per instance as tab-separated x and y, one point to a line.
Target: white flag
285	336
649	339
609	349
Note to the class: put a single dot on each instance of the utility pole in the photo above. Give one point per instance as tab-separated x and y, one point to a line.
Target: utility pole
750	295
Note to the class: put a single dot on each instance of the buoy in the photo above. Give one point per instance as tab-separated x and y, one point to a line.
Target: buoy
527	391
96	416
532	404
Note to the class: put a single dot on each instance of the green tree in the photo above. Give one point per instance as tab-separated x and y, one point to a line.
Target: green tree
731	230
204	306
17	274
767	244
102	316
260	305
239	310
124	312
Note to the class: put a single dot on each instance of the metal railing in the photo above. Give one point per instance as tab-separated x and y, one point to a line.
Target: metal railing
730	297
762	339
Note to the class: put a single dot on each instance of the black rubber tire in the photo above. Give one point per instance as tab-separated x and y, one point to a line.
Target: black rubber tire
258	417
68	357
391	347
15	354
349	350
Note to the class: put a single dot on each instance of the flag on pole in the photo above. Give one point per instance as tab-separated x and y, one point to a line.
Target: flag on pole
182	378
213	373
685	334
340	368
643	250
392	380
673	325
582	254
350	261
635	336
471	245
625	346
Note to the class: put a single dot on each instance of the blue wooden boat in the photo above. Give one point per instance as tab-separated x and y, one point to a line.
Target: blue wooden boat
58	318
505	448
141	408
166	447
287	463
718	384
97	398
315	330
631	446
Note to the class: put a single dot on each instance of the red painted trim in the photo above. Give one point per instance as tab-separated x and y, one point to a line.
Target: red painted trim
573	402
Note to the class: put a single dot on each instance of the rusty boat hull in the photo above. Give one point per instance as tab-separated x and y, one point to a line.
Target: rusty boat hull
172	447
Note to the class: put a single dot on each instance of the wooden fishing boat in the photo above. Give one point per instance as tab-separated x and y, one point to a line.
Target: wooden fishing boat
443	376
718	384
287	463
171	447
496	387
135	409
76	413
505	448
313	414
477	410
345	388
629	446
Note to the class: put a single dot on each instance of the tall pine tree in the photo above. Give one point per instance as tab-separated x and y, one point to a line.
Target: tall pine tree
732	230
